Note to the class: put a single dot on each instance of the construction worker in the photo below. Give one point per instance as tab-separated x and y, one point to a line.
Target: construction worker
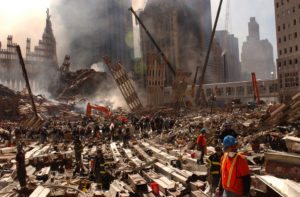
201	145
21	170
78	150
99	169
214	164
235	171
227	131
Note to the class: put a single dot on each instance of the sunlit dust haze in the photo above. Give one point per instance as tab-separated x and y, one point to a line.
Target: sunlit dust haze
22	19
26	18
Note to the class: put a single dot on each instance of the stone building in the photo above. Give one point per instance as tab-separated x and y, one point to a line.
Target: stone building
230	55
257	55
182	29
41	63
287	14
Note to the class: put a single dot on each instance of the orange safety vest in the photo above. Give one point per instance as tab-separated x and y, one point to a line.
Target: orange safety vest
201	141
230	179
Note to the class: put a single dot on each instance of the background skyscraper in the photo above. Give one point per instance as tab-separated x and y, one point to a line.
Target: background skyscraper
257	55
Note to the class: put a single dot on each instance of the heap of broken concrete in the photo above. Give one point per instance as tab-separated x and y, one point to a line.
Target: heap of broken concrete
16	106
79	84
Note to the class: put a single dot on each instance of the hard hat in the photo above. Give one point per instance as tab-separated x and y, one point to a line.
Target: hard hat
227	123
203	130
229	141
218	149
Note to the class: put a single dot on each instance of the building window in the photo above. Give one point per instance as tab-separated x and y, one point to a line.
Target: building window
240	90
283	26
296	34
291	62
208	92
291	49
249	90
289	36
285	51
284	63
295	22
273	88
296	48
278	28
279	64
280	52
284	38
277	5
279	40
296	61
219	91
229	91
294	9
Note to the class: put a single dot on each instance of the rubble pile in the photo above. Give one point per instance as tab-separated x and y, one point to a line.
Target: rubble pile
16	106
286	113
78	84
9	101
148	153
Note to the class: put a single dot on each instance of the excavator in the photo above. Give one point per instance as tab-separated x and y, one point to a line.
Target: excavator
89	108
255	89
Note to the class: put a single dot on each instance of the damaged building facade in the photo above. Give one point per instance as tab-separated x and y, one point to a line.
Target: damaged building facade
41	60
288	43
106	30
182	30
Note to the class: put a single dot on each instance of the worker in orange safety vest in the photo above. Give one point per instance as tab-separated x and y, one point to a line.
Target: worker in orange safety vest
235	180
201	145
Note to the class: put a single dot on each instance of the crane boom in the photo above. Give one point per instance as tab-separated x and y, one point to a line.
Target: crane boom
26	79
153	41
208	52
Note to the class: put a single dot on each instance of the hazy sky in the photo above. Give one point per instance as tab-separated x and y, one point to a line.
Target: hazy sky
26	18
239	16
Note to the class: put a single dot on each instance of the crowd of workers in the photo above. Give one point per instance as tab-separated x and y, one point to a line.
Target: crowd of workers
229	171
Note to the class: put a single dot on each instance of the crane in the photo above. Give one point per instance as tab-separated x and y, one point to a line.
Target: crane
207	55
255	89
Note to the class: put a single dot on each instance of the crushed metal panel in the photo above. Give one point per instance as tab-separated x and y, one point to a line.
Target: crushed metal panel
283	187
156	75
121	78
179	87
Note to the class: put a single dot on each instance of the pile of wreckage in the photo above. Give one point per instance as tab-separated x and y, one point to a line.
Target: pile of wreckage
79	84
164	159
16	106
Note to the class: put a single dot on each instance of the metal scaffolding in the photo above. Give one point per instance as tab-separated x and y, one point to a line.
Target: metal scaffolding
121	78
